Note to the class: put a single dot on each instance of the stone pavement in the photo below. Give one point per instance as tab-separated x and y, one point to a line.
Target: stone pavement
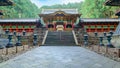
60	57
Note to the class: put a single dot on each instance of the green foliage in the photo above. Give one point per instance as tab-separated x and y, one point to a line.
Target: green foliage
89	9
97	9
21	9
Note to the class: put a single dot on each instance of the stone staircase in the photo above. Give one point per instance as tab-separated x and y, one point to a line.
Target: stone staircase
41	33
60	38
80	36
117	31
116	37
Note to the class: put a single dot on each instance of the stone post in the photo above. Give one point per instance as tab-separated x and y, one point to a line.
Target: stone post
104	34
24	32
14	33
35	39
7	32
111	33
101	40
109	40
85	39
10	44
18	42
96	34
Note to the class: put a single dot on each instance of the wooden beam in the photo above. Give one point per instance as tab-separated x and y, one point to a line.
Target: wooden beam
6	3
112	3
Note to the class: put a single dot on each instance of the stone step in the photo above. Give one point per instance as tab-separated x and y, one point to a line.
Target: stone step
59	44
53	38
56	41
59	38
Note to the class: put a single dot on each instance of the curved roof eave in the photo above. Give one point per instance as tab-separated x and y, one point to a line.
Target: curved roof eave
99	20
69	11
18	20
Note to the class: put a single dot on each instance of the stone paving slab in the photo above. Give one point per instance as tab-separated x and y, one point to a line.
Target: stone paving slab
60	57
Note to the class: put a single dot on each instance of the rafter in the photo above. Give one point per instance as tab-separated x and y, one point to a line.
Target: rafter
6	3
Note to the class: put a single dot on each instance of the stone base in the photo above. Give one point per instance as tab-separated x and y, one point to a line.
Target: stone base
1	47
9	45
101	44
110	45
35	44
18	44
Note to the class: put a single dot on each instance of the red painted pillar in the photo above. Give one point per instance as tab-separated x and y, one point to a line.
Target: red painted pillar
65	26
10	28
108	27
89	29
16	29
54	26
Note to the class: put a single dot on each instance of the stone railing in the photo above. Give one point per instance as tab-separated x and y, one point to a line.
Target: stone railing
41	34
75	38
45	36
79	35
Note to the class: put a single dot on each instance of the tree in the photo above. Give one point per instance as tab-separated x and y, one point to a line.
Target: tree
22	9
96	9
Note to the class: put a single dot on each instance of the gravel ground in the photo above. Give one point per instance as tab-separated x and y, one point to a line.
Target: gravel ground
12	52
112	52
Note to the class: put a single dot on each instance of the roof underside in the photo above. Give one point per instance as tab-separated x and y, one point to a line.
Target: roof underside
19	20
6	3
1	13
69	11
99	20
112	2
64	15
82	20
118	13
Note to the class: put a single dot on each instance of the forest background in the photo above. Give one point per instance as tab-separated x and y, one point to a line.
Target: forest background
88	9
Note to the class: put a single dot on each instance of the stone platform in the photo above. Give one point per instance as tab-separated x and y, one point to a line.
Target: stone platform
60	57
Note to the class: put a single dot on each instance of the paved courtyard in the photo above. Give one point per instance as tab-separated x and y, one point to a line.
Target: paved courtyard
60	57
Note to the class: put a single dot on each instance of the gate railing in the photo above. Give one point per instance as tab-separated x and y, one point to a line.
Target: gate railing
44	39
75	38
